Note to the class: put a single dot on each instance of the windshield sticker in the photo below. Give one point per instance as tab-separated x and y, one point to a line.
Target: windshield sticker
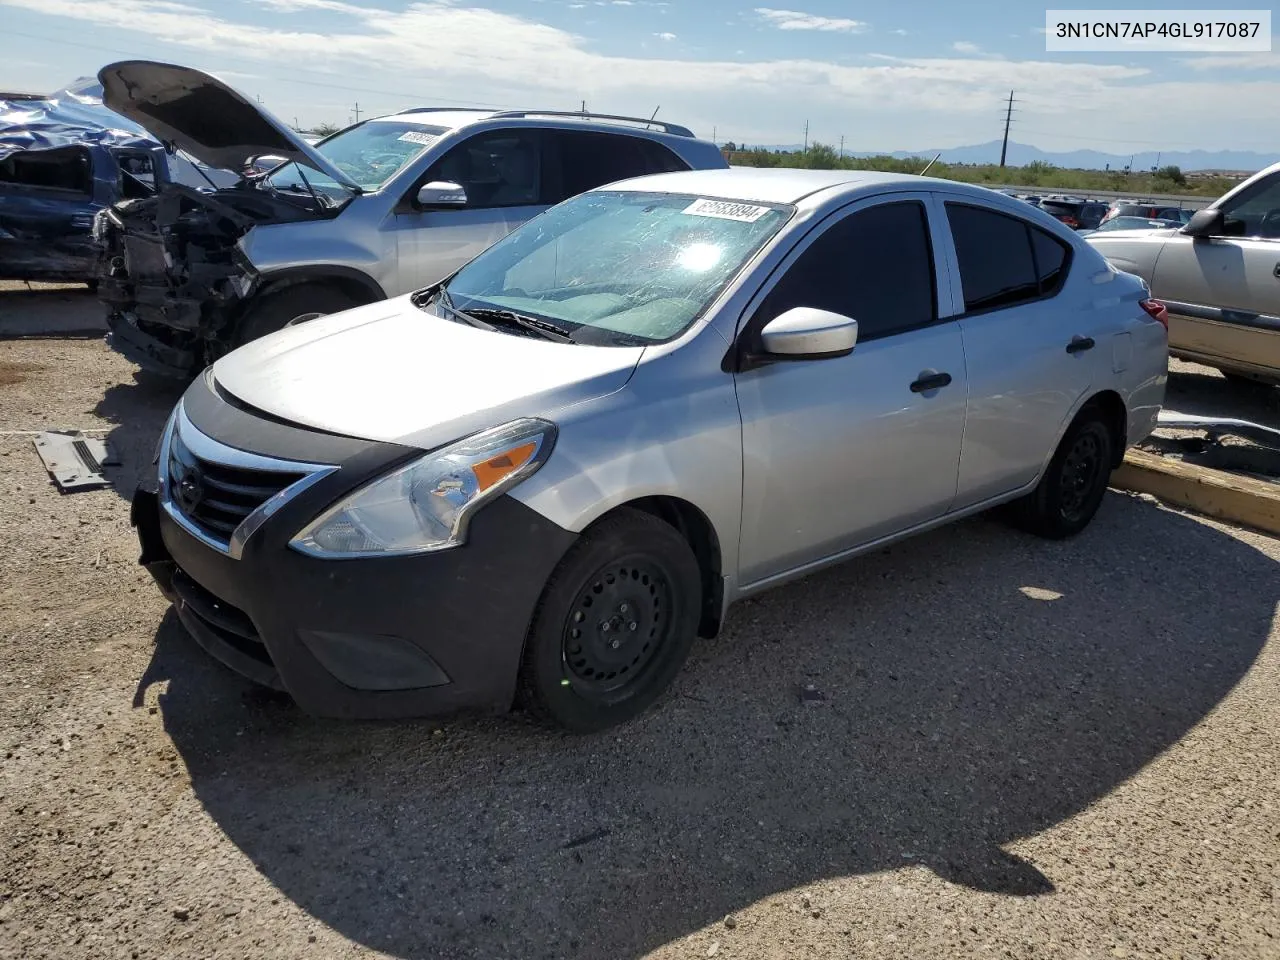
417	136
726	210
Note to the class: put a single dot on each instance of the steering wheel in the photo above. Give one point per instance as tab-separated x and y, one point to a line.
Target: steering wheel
1270	225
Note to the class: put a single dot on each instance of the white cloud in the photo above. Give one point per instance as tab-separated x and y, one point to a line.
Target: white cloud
795	20
479	54
900	32
665	36
964	46
1234	61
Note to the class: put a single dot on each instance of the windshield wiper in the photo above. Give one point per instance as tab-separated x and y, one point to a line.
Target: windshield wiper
544	328
445	302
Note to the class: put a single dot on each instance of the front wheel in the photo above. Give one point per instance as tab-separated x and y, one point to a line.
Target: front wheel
290	306
1072	489
614	625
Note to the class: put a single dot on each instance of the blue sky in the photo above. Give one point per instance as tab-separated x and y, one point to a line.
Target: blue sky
884	75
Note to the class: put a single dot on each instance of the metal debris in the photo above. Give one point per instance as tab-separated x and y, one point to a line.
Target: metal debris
73	460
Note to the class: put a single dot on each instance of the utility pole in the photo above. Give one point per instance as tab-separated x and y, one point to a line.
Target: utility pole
584	107
1008	119
842	146
806	136
713	134
357	111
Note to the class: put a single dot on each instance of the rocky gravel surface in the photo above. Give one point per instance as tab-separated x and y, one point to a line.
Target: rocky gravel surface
973	744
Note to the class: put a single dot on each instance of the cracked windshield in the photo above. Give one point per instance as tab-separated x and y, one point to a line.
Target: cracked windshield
618	269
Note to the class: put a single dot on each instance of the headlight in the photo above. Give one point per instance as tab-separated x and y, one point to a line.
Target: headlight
425	505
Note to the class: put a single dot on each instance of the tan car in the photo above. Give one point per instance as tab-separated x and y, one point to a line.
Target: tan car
1219	276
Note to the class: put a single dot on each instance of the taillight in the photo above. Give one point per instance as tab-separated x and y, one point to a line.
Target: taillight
1156	311
1071	222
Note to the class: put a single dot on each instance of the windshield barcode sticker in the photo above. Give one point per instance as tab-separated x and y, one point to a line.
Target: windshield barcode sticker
417	136
726	210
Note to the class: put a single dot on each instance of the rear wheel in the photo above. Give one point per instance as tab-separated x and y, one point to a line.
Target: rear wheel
1072	489
614	625
290	306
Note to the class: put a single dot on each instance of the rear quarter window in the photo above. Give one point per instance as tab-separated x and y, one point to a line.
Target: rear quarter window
1003	259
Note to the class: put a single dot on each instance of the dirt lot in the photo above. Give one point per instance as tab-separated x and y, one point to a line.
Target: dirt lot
1026	749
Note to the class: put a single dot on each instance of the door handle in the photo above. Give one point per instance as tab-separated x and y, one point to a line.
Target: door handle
1080	344
932	382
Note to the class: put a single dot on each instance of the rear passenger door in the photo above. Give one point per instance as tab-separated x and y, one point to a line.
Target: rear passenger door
1030	354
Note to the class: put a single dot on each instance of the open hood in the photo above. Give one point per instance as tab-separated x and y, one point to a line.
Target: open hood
204	117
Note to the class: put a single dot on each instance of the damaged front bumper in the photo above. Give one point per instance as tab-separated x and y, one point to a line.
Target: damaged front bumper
172	276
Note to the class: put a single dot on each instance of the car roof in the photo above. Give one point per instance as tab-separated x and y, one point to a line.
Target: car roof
788	185
454	118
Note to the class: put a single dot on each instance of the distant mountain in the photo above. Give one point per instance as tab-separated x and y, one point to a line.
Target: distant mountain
1021	154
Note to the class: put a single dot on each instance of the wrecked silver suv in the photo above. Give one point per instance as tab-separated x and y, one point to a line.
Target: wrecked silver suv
381	208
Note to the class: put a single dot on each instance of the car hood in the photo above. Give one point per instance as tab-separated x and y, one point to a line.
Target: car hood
393	372
201	115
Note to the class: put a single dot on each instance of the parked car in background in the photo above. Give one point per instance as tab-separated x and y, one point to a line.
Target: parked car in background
63	158
1219	274
1132	223
550	472
1148	211
1076	213
375	210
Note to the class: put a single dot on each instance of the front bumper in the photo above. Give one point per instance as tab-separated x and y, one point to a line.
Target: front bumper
371	638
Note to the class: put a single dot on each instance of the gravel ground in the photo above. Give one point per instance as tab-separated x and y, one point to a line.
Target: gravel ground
1024	749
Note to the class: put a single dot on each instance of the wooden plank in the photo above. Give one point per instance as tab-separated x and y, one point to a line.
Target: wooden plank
1215	493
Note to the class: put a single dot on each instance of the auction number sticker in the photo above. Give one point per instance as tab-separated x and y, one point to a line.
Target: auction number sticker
726	210
417	136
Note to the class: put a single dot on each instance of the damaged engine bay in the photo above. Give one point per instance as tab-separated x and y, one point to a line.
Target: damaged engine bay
172	276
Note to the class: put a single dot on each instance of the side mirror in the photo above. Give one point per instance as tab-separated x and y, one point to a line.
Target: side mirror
1206	223
441	193
263	163
806	333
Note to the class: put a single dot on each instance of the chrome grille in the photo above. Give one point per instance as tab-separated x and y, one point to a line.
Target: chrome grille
217	497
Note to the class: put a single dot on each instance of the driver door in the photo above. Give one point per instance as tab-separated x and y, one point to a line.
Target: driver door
1223	292
502	173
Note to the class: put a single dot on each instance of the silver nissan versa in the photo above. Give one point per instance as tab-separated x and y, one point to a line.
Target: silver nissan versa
546	475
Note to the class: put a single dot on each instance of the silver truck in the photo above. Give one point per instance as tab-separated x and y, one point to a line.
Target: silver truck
381	208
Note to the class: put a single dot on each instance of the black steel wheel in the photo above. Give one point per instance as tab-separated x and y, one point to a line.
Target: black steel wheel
1072	488
614	625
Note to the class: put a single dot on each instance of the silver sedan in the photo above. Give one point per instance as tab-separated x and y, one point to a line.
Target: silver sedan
545	476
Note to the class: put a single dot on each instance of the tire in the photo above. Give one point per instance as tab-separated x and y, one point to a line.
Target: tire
1072	489
275	311
636	581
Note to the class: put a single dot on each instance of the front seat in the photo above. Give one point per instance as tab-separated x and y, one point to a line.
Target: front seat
518	178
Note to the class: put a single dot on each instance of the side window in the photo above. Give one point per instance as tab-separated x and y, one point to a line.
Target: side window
65	170
997	267
1255	212
588	159
875	266
658	159
1051	256
499	168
